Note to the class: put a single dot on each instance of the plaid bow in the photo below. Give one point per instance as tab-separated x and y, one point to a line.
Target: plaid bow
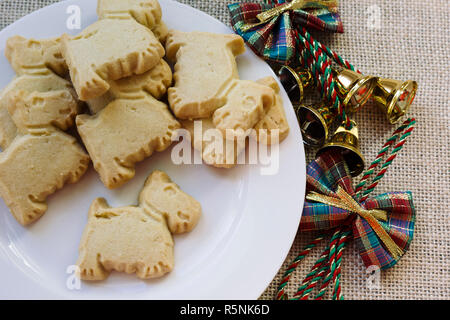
326	176
275	40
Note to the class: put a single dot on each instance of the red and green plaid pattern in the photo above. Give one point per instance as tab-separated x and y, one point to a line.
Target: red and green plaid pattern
276	39
328	172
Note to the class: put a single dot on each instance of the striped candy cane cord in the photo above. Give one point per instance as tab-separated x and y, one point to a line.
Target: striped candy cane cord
327	269
315	57
397	141
293	266
331	53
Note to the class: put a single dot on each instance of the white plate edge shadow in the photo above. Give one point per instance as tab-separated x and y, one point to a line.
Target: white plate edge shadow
241	289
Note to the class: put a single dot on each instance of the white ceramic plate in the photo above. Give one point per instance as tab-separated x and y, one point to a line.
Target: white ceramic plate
249	220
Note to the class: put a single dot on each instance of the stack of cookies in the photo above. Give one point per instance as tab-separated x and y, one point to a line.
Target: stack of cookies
208	89
112	84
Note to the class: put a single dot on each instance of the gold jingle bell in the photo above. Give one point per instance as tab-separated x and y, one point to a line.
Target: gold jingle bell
346	140
395	97
315	122
354	88
295	82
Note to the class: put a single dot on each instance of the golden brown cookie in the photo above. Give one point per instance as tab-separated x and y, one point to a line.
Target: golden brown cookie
34	166
215	149
205	66
98	54
154	82
137	239
26	83
41	158
126	131
246	104
41	109
30	56
146	12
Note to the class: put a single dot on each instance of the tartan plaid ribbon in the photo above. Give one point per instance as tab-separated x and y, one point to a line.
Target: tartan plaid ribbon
328	175
275	39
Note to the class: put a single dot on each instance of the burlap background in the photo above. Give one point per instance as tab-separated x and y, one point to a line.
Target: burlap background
413	42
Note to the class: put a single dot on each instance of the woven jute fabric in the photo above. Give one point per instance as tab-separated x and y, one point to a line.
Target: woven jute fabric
403	39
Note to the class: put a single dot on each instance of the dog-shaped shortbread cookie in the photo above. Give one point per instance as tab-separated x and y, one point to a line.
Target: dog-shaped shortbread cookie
109	49
128	130
41	158
205	66
207	61
48	86
219	152
31	56
155	82
35	108
137	239
40	68
146	12
246	104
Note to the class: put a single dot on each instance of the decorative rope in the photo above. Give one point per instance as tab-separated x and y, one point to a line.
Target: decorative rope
315	58
331	53
337	292
401	134
313	278
292	267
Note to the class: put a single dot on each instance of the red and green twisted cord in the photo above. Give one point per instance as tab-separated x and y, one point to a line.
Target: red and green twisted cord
401	134
316	57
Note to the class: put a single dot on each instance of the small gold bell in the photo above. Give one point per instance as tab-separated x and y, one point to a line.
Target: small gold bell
295	82
394	97
315	122
354	88
347	142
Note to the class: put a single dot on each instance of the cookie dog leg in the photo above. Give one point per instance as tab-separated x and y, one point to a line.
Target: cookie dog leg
89	258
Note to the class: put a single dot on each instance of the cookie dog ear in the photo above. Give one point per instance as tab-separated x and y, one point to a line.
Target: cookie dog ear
235	43
161	196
